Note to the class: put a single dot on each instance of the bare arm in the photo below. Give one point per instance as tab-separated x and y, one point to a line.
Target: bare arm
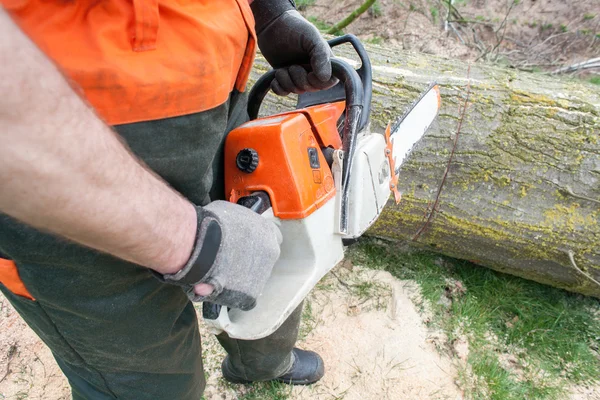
63	170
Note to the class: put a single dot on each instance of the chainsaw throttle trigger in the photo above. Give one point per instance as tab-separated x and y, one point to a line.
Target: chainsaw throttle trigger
258	202
210	310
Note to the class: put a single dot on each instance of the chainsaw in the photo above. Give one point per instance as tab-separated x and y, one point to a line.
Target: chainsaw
321	175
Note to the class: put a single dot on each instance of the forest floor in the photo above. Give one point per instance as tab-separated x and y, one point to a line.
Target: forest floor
531	35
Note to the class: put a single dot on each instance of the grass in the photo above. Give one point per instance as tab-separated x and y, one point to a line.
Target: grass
302	5
375	10
263	391
309	320
375	40
526	340
434	11
549	336
322	25
595	80
268	390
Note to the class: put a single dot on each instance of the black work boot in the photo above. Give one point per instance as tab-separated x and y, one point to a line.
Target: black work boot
307	368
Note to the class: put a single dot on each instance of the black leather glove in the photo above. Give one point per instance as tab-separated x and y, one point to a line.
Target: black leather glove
293	46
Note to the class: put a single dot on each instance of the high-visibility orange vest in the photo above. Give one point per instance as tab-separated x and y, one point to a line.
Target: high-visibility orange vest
140	60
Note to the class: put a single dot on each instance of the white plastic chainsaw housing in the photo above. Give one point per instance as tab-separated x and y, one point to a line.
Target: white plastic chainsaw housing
309	250
312	246
369	183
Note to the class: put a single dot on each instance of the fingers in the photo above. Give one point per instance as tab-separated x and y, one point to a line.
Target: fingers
283	84
320	60
296	79
300	79
318	84
277	89
203	289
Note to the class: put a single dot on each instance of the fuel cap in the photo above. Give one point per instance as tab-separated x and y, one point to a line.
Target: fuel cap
247	160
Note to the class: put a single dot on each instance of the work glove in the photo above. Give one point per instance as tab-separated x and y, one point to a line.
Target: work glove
293	46
235	251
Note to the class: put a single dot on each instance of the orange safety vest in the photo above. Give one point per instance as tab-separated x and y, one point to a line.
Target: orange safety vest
140	60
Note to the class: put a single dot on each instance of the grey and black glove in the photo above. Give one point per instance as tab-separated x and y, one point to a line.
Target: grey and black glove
293	46
235	252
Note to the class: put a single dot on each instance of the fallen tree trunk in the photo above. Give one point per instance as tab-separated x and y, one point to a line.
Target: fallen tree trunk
522	191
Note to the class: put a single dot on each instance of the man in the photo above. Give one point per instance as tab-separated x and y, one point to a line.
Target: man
91	218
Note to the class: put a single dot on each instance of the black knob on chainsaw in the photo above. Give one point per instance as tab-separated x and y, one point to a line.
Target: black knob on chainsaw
247	160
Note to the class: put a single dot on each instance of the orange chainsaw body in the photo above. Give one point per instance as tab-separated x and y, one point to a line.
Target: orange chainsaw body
291	167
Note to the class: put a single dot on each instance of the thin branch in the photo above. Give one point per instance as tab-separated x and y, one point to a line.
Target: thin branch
462	113
591	63
568	190
453	11
456	32
471	21
574	265
350	18
448	12
12	351
340	280
500	39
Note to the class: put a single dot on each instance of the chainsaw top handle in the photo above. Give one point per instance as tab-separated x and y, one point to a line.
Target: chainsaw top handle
336	93
353	88
331	95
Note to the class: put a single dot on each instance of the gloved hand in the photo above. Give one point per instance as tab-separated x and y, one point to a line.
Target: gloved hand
293	46
235	252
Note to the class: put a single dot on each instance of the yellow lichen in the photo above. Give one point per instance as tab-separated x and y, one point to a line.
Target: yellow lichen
569	217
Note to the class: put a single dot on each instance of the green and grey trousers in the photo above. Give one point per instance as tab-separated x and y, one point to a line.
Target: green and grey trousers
115	330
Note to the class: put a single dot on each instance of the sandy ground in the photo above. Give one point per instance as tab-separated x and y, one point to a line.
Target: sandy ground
364	324
585	393
376	345
27	368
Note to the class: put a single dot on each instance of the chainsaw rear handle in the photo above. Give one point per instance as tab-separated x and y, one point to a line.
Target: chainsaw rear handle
258	202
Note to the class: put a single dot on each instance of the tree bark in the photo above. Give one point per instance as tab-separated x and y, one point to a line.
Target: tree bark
522	192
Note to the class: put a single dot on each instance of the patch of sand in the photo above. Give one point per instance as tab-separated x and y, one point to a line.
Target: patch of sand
585	393
27	368
375	349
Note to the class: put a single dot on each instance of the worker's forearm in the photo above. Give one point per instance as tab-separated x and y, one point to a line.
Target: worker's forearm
63	170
